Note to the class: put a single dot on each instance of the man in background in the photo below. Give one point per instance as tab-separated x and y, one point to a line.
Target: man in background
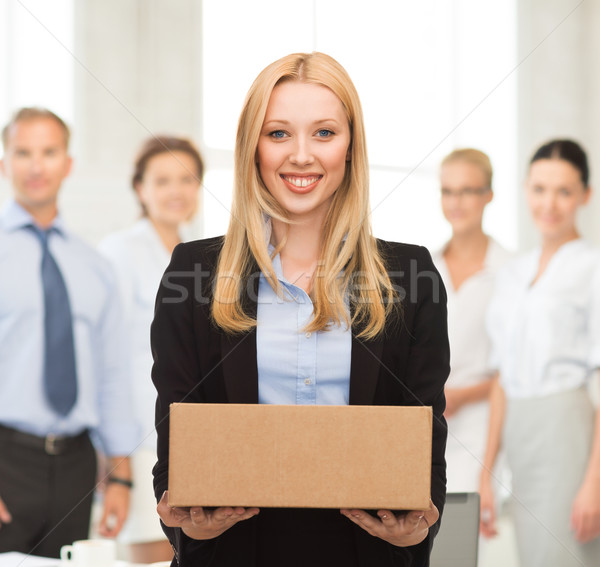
63	370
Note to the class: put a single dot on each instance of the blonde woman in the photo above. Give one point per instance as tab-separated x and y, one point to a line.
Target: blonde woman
468	264
300	305
166	180
544	321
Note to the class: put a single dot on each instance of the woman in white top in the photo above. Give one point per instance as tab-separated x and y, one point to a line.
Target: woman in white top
544	322
167	177
468	264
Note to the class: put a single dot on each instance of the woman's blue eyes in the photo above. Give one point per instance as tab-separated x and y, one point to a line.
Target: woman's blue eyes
280	134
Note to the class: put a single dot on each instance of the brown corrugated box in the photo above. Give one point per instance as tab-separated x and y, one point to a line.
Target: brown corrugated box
368	457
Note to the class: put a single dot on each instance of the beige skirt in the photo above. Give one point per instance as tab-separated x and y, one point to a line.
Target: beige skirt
548	442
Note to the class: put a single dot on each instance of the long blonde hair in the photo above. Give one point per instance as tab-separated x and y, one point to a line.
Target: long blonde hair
350	262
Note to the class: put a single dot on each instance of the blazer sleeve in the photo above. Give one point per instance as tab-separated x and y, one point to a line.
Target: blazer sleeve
427	370
176	371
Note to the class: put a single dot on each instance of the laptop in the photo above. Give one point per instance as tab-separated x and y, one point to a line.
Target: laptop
457	541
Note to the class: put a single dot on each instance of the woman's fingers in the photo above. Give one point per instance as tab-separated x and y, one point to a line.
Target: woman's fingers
402	530
198	515
413	519
361	518
422	519
487	517
388	519
202	522
586	526
229	515
585	513
171	516
432	515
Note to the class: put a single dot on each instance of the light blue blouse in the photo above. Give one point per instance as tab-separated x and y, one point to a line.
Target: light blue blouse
294	366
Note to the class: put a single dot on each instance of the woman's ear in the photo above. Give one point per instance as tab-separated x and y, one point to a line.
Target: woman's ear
138	188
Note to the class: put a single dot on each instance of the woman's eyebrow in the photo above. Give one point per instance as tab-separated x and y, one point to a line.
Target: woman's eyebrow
277	121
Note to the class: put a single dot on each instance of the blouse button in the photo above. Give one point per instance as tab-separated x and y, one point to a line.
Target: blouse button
307	381
308	335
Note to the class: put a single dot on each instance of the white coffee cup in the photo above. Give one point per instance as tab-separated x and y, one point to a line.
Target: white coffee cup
89	553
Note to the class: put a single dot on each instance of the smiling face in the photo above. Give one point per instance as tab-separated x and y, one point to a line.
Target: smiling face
169	188
36	162
465	193
303	148
555	192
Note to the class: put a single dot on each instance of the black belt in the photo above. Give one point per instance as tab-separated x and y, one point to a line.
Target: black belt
51	444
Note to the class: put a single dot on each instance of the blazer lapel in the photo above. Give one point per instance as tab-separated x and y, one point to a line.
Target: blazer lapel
365	362
240	372
238	358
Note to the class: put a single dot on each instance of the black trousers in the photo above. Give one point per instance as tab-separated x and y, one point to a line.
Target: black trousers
48	489
327	539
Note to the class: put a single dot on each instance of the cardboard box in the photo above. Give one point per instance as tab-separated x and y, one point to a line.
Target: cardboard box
368	457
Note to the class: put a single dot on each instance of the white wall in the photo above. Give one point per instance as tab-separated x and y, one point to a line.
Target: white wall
138	71
138	75
559	90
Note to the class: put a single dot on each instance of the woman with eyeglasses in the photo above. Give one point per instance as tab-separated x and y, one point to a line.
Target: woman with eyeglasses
468	264
544	322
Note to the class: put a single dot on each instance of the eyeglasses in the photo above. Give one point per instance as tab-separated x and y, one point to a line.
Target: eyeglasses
464	192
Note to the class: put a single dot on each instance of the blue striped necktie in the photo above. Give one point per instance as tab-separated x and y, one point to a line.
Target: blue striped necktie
60	376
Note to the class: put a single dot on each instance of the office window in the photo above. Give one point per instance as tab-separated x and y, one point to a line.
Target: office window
36	61
432	76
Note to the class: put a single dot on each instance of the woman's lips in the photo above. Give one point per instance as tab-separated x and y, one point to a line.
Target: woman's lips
301	183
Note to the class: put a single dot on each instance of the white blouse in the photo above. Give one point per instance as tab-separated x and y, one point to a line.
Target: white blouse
469	343
469	361
546	336
140	259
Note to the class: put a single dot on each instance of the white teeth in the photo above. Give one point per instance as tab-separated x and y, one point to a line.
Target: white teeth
301	181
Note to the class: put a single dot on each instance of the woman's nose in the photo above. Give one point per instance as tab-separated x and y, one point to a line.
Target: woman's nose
549	201
301	152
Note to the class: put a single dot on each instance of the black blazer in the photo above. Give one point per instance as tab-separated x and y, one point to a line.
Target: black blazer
196	362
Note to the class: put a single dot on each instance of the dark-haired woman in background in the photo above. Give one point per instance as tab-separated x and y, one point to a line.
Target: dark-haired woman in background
544	322
166	180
